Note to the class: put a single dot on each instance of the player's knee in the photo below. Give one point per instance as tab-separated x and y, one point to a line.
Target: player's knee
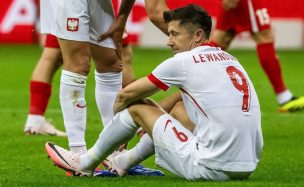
264	36
81	65
109	65
134	111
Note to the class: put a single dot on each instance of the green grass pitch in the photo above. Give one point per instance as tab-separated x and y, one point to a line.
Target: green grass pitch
23	161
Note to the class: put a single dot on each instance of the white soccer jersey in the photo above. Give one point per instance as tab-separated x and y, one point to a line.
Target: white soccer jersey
220	99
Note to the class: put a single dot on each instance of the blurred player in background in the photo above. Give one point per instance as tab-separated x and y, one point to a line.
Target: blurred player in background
229	140
251	15
41	89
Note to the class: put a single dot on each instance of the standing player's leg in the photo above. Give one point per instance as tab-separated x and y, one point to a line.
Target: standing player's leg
76	66
78	27
108	76
270	64
108	80
40	89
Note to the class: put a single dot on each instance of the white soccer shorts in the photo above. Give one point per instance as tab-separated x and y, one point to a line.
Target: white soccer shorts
78	20
175	149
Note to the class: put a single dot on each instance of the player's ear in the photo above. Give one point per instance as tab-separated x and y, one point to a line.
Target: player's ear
199	35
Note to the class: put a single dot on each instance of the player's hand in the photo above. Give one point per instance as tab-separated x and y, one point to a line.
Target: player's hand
229	4
115	32
123	147
140	132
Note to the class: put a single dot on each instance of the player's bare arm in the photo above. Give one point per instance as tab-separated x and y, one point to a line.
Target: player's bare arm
155	10
135	91
229	4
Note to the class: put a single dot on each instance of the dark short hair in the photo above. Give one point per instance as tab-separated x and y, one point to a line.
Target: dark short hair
190	14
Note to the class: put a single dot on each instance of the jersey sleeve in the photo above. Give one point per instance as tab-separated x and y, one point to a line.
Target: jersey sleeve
169	73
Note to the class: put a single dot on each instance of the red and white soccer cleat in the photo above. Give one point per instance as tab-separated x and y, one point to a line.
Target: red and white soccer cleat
111	164
67	160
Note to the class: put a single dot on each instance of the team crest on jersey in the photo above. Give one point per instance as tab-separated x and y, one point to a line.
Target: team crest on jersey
72	24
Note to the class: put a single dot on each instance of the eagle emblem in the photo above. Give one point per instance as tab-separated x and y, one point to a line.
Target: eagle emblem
72	24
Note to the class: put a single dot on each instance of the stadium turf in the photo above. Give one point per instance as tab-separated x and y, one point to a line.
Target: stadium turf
23	161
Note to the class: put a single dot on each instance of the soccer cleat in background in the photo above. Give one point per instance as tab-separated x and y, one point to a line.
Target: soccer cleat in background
66	160
295	104
103	173
97	173
46	128
138	170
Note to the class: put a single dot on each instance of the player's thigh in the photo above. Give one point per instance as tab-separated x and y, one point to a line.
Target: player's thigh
179	112
76	56
145	115
106	59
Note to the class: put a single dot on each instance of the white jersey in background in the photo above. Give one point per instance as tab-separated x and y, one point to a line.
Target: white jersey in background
221	101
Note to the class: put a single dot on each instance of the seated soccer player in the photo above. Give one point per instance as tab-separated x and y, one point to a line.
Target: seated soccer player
223	140
236	17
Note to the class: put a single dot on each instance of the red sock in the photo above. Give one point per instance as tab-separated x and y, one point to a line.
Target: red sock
40	93
271	66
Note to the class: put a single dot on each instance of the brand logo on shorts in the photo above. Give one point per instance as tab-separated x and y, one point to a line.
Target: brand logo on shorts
72	24
167	123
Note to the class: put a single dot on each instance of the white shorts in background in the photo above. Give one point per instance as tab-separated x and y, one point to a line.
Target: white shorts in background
175	147
78	20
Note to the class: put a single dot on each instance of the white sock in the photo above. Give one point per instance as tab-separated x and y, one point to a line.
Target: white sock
119	130
143	150
34	120
284	96
79	149
73	105
107	87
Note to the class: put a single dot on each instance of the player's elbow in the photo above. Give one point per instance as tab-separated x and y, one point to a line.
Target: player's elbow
155	15
124	97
